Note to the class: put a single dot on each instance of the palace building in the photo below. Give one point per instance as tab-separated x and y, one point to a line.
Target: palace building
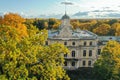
84	46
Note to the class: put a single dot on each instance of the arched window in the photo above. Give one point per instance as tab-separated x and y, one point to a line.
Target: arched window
84	53
84	63
73	64
90	52
85	43
73	43
89	63
65	43
73	53
91	43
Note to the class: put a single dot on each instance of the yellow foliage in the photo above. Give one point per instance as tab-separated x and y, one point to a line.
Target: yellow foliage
75	24
29	58
15	21
109	62
102	29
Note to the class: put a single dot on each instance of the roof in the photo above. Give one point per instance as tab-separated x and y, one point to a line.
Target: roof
78	34
66	32
107	38
65	16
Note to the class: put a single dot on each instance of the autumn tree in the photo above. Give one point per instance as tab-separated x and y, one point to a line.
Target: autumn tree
29	21
112	21
1	20
107	67
29	58
115	28
40	24
53	23
9	53
75	24
86	26
15	21
83	24
117	33
102	29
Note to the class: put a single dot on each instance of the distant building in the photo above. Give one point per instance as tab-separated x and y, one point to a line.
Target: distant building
84	45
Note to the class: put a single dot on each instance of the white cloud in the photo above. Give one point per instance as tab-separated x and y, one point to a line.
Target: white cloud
85	5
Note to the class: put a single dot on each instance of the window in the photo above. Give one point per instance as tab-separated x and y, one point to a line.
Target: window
90	43
73	63
73	43
99	51
84	52
65	43
65	55
46	42
73	53
85	43
84	63
65	63
89	63
90	52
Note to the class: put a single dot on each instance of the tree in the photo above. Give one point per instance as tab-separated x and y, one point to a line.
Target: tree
107	67
16	21
86	26
116	29
28	57
53	23
1	20
41	24
102	29
112	21
75	24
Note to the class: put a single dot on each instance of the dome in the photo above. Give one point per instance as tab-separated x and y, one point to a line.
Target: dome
65	17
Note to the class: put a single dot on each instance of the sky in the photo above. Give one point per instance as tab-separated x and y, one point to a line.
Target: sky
54	7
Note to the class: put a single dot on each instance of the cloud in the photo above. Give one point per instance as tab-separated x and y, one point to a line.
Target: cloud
106	7
50	16
114	15
81	14
109	11
3	13
96	11
98	14
104	11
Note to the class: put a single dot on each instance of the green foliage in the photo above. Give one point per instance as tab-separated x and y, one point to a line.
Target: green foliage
82	73
112	21
53	23
41	24
107	67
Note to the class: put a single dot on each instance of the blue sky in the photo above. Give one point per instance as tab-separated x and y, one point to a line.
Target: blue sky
50	7
28	6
